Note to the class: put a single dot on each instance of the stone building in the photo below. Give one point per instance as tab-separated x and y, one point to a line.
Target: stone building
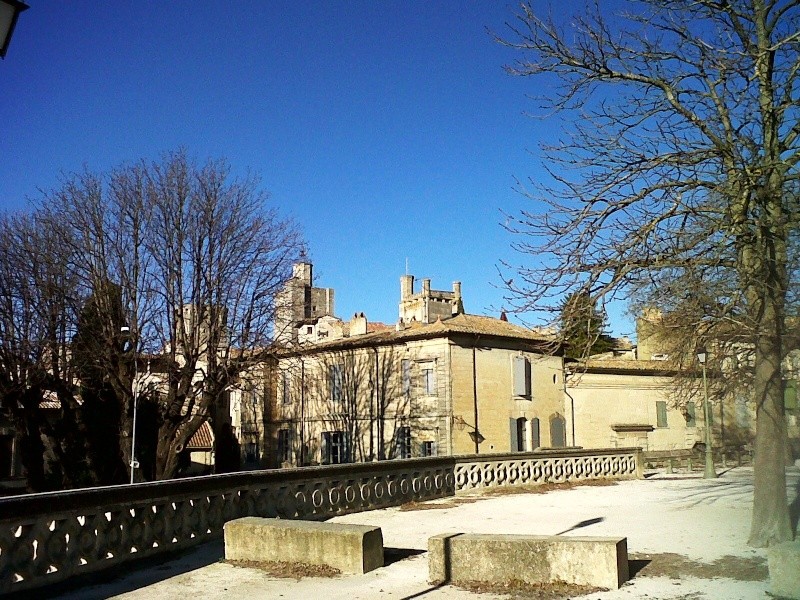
626	402
440	382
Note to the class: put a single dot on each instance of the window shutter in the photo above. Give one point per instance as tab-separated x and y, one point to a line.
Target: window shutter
535	441
691	415
522	376
325	448
514	438
406	367
661	413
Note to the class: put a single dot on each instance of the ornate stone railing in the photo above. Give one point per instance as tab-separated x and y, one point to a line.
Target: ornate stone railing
46	538
548	466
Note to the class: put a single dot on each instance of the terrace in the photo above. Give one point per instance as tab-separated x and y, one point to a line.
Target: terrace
686	535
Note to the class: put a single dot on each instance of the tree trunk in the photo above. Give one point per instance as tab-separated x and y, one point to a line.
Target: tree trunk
771	522
126	434
167	455
32	456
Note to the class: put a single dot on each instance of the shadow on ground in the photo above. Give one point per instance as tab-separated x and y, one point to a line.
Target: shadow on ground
130	576
393	555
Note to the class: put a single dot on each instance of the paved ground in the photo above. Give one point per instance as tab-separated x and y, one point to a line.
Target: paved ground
688	536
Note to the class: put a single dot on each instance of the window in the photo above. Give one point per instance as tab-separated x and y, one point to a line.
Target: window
522	377
283	445
790	395
519	434
309	330
403	442
428	448
661	413
286	390
405	366
335	376
251	452
429	379
691	420
334	448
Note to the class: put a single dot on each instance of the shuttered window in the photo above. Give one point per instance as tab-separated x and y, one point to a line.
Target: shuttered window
405	365
522	377
661	413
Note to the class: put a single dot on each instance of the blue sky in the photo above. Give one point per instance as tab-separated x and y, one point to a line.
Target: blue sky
388	130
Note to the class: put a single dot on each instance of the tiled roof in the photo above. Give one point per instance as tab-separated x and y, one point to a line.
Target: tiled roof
463	324
480	325
622	365
202	439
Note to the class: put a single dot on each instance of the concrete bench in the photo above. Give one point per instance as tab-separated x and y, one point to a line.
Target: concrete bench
594	561
348	548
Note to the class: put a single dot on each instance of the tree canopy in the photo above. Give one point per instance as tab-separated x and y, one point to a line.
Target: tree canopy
155	280
677	170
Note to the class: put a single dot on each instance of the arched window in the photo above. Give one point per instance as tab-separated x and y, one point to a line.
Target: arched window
558	431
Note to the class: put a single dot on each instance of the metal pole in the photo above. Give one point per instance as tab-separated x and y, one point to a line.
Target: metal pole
134	462
709	472
475	396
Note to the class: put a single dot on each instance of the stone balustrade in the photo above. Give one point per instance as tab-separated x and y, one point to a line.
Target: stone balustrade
549	466
47	538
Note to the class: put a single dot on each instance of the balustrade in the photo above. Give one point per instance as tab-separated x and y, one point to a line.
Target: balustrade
46	538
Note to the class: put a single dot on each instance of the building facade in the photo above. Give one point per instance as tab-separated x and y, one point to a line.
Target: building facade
440	382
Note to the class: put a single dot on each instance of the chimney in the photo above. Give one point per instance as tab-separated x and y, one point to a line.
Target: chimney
406	286
426	288
358	324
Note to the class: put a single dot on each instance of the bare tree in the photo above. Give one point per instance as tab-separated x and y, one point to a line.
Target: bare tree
39	306
196	257
681	161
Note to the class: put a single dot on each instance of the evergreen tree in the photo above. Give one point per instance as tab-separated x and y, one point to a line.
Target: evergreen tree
582	327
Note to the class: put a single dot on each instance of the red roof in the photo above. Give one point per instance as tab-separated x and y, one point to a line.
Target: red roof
202	439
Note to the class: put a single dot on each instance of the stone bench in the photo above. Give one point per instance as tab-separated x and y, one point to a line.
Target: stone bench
593	561
348	548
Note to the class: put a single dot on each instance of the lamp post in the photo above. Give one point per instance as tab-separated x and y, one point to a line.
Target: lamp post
710	473
9	12
134	464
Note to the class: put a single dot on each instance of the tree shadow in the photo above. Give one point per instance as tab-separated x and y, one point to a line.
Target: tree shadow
585	523
130	576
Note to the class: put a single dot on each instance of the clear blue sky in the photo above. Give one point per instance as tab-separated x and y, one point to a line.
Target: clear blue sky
387	130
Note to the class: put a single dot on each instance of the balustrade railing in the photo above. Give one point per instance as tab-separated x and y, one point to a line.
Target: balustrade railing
46	538
548	466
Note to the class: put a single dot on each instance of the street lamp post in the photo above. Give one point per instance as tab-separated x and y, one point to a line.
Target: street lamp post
710	473
134	464
9	12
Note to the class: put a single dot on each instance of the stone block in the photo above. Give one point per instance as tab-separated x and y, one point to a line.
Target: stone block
784	569
349	548
593	561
